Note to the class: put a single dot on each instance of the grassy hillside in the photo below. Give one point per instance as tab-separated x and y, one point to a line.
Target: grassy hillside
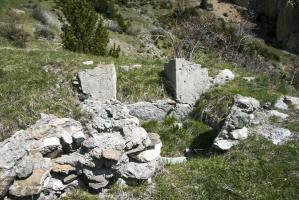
38	79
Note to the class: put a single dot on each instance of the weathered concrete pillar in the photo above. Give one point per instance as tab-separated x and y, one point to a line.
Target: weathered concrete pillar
188	80
99	83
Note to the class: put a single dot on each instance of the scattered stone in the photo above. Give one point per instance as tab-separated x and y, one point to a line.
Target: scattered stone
224	144
292	100
99	83
239	134
88	62
136	66
173	161
249	79
275	113
236	123
224	76
267	106
247	104
125	68
188	80
281	105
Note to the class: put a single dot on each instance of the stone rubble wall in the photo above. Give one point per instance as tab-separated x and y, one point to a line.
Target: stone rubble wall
55	155
246	118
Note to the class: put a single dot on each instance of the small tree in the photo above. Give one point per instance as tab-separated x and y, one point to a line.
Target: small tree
83	31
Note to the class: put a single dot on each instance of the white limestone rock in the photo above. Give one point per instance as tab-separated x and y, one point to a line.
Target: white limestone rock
223	77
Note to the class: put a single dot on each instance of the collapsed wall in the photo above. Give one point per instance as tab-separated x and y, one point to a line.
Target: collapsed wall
56	155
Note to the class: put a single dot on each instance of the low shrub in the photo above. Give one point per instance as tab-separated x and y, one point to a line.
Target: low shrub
44	32
39	15
14	31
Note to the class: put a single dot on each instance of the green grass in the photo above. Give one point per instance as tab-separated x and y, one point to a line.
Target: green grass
254	169
80	195
193	135
141	84
26	89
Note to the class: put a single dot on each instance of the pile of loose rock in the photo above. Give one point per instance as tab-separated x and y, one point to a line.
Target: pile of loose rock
56	155
247	117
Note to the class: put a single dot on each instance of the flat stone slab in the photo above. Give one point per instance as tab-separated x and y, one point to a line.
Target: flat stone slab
187	79
99	83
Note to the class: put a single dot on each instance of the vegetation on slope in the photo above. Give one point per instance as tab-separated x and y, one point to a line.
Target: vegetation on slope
35	81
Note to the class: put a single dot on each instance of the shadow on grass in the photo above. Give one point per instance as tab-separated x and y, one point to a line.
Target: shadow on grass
202	144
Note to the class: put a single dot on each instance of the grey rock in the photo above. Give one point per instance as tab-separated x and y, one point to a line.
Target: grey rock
275	113
140	171
149	154
188	80
24	168
223	76
109	116
173	161
158	110
96	177
239	134
134	136
246	104
99	83
7	177
51	147
239	119
53	184
75	159
292	100
224	144
151	110
70	178
281	105
31	186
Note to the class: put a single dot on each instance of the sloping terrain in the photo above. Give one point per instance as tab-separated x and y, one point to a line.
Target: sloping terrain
38	79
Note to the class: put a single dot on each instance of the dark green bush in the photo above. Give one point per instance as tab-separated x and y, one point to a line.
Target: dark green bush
83	31
107	8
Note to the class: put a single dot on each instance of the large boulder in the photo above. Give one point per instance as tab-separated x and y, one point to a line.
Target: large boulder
98	83
187	79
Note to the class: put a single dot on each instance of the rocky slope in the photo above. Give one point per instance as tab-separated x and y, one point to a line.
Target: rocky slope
283	13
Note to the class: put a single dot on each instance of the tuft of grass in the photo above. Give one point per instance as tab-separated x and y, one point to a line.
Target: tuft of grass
143	84
80	195
194	135
292	126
